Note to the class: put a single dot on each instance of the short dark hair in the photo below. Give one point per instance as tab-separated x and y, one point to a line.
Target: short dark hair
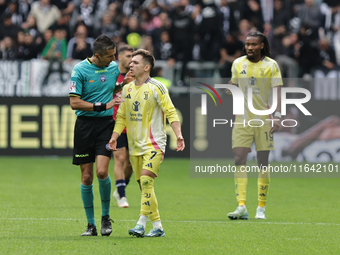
102	44
147	56
125	47
266	49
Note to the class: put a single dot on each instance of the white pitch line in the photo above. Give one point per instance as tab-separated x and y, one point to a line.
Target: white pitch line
192	221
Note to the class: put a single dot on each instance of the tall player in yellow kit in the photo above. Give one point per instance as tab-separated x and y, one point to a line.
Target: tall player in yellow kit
261	73
147	103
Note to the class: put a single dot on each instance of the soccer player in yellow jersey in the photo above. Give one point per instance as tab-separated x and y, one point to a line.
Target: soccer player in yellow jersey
147	103
257	71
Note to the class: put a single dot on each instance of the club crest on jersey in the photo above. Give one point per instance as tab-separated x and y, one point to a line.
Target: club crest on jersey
146	94
130	89
252	81
262	71
135	106
244	66
102	78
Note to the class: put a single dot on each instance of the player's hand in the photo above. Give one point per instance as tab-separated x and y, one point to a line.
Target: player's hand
113	144
180	143
128	78
227	90
276	125
114	102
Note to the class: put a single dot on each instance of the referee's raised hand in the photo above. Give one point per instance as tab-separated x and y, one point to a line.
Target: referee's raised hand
114	102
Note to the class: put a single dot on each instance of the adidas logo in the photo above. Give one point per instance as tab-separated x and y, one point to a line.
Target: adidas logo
149	165
146	203
128	96
243	72
270	146
262	195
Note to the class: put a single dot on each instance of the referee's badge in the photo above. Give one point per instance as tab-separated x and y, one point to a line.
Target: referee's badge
102	78
72	86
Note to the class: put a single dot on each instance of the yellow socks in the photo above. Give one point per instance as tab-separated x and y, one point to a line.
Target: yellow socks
262	187
149	205
241	181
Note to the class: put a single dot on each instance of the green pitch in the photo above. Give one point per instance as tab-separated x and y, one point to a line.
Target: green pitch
41	213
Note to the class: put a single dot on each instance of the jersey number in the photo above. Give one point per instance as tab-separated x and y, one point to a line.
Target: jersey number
154	154
270	137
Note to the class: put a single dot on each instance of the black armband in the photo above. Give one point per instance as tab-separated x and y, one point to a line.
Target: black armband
98	107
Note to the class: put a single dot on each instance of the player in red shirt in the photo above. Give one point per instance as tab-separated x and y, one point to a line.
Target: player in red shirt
122	165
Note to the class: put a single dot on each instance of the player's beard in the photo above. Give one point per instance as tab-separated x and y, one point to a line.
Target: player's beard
252	57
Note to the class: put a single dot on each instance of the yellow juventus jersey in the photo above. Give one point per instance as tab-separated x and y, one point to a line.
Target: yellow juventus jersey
261	77
143	114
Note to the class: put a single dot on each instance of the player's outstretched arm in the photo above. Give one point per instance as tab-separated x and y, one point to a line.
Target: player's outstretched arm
176	127
114	102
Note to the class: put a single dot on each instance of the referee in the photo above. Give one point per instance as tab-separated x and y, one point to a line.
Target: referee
92	85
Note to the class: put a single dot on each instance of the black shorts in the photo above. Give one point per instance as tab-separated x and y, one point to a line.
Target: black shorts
91	135
122	141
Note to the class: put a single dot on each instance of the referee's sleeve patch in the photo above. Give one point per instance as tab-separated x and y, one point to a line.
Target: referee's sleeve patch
72	86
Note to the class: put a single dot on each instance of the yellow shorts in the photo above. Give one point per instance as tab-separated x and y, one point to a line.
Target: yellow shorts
245	136
151	161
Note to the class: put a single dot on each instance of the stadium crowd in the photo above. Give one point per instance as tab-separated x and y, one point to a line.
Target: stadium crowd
303	34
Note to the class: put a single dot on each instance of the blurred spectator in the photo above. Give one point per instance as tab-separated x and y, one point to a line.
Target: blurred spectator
8	51
228	18
310	17
244	29
146	43
165	25
79	37
86	14
116	13
63	24
149	22
7	28
182	36
81	48
55	51
43	40
133	33
65	6
30	47
31	26
20	43
157	74
230	50
279	28
331	23
107	26
252	11
287	59
327	60
309	54
210	30
56	48
13	9
163	50
45	14
27	49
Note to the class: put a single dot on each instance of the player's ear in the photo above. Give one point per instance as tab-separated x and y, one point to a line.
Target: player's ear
262	46
147	68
